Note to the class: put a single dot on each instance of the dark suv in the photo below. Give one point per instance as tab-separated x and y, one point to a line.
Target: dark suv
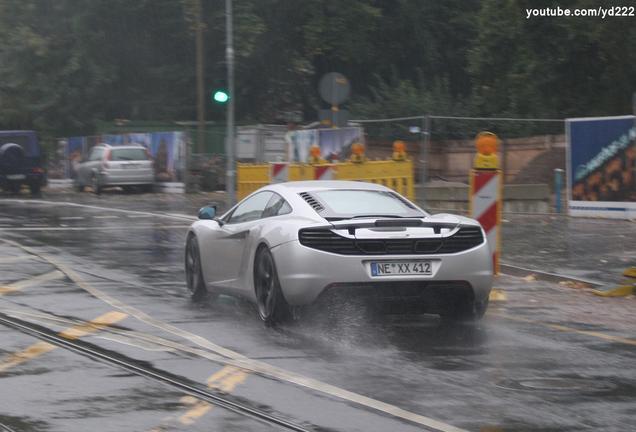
20	161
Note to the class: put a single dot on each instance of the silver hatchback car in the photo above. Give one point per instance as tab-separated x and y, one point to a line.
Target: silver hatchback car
108	166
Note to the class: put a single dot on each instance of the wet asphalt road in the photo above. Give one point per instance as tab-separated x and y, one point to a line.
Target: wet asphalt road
553	357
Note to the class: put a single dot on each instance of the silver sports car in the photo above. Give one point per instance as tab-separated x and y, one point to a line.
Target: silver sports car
288	244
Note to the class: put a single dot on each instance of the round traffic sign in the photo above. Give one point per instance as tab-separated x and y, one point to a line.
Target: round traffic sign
334	88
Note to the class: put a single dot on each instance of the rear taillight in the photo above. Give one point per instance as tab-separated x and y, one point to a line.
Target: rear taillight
152	161
37	170
107	158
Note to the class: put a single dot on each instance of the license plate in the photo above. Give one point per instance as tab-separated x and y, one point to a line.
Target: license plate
16	177
401	268
130	166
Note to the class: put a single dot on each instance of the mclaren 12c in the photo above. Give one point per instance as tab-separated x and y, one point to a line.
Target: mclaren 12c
288	244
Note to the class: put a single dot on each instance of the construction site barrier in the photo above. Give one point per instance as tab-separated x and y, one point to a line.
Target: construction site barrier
396	175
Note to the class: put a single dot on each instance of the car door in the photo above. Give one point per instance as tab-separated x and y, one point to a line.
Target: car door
228	252
86	168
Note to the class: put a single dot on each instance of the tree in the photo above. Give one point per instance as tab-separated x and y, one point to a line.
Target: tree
552	66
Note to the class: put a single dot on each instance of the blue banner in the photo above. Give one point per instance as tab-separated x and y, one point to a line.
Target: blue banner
602	161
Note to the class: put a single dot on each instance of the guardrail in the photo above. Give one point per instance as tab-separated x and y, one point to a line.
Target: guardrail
396	175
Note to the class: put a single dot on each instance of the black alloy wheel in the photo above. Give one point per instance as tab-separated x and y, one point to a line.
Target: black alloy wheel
272	307
194	273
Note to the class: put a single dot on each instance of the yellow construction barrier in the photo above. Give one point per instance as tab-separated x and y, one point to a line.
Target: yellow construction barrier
396	175
250	177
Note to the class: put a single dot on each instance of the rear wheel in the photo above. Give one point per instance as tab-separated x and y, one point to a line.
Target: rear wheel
34	186
97	189
194	272
272	306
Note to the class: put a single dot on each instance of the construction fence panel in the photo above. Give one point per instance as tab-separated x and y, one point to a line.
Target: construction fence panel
396	175
250	177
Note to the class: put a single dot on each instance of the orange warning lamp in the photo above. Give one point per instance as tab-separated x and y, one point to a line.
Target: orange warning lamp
314	156
399	151
358	152
487	144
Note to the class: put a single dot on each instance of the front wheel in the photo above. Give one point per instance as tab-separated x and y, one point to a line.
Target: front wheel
272	306
193	270
14	187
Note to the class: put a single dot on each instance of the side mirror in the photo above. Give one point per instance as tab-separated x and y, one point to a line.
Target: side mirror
207	212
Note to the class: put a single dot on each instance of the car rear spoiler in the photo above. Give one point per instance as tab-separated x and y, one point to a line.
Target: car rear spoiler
437	226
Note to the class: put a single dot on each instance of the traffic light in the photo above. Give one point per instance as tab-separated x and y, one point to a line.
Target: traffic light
221	96
220	92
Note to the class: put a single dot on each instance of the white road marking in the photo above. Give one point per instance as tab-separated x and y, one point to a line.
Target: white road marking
69	204
118	228
16	258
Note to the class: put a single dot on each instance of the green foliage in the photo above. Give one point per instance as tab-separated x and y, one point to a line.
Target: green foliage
402	98
552	66
65	65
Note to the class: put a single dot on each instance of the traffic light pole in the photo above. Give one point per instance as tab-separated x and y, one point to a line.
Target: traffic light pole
230	173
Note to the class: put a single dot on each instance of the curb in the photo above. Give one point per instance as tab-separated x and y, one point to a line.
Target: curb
513	270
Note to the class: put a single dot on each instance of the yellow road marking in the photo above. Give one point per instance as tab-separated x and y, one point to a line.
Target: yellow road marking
8	288
39	348
227	379
198	410
20	357
224	380
90	327
55	274
567	329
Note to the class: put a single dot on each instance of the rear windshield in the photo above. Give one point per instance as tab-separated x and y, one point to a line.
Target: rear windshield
128	154
361	203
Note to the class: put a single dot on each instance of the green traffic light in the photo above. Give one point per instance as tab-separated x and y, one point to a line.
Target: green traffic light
221	96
